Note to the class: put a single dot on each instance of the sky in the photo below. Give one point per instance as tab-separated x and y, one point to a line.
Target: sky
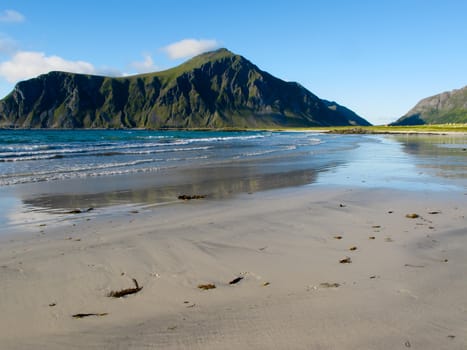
378	58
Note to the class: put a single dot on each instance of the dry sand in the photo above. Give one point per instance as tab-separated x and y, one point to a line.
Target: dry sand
406	288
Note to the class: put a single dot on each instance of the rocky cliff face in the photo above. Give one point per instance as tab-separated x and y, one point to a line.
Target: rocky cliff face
214	90
447	107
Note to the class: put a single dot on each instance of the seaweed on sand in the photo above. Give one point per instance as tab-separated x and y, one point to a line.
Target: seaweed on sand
124	292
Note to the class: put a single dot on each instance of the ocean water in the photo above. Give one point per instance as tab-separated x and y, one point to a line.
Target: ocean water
33	156
51	171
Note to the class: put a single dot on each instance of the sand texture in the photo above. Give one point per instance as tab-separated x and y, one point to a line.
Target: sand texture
311	268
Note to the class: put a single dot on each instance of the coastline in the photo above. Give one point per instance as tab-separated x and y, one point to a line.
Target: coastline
294	292
436	129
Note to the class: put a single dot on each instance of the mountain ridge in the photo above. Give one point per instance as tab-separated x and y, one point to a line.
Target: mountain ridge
217	89
446	107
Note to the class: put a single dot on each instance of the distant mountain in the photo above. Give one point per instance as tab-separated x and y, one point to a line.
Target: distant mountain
351	116
447	107
214	90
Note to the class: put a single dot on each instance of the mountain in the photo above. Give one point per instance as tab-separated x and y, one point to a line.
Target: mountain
214	90
351	116
447	107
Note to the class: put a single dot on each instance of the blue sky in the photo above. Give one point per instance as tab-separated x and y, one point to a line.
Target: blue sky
376	57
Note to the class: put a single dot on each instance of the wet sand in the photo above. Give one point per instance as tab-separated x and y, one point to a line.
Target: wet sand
403	285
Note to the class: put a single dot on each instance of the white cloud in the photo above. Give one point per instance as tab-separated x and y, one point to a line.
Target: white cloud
145	66
189	47
28	64
7	45
11	16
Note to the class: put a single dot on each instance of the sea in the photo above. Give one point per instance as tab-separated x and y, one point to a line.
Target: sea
55	171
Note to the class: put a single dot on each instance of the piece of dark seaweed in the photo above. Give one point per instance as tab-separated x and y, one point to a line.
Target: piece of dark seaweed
207	286
83	315
124	292
187	197
236	280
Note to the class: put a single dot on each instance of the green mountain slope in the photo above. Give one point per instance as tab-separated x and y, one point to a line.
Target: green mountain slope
447	107
214	90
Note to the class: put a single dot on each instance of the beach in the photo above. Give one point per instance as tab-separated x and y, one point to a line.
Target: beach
338	257
404	287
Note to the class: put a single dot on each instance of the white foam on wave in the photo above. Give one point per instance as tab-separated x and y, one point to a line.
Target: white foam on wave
257	153
66	176
221	139
147	148
80	169
186	149
134	155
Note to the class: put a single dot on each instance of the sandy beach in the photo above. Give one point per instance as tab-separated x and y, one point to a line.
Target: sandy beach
181	175
316	268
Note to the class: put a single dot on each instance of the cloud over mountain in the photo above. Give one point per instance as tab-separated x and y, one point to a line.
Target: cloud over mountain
28	64
145	66
188	48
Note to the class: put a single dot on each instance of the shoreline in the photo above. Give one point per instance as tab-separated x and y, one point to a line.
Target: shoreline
294	292
416	163
437	129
